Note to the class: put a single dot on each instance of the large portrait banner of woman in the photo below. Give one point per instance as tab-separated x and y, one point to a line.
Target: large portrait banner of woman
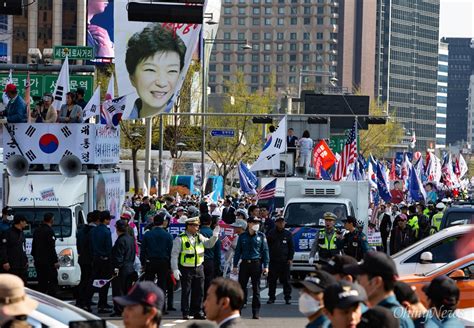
151	61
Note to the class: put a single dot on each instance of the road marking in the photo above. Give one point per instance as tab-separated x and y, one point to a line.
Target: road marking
180	321
264	293
169	325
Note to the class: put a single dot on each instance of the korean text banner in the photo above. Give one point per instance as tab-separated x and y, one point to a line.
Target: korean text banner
151	62
48	143
100	27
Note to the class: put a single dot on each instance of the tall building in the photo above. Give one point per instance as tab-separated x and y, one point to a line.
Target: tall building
293	36
407	64
470	110
461	57
442	95
46	23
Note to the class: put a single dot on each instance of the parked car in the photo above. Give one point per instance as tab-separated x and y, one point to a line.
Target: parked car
461	270
431	252
457	215
52	312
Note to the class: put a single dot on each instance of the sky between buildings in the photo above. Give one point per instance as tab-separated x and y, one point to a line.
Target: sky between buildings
457	18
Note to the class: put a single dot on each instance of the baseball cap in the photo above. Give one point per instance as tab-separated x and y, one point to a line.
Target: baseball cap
350	219
121	224
336	264
10	88
442	289
329	216
378	317
239	224
145	293
374	264
343	295
402	217
242	212
405	293
254	219
317	282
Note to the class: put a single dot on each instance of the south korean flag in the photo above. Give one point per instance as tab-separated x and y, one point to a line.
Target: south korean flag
62	86
93	106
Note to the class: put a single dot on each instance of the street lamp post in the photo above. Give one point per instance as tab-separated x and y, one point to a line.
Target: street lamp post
205	42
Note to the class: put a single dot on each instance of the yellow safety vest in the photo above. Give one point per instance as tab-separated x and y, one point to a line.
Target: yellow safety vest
413	223
436	220
191	256
328	244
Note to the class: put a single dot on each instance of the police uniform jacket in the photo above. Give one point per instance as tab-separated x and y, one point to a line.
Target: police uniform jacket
101	241
252	247
176	251
213	253
13	249
123	252
156	245
280	245
355	244
43	248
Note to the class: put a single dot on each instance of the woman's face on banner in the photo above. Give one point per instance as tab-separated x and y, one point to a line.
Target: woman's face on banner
155	79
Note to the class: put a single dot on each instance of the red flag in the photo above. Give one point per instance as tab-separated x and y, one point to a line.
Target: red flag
393	171
323	156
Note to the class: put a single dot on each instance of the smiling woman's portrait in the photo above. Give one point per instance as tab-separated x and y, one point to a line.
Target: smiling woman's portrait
154	60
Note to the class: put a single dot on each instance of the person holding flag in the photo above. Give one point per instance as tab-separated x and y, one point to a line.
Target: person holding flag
15	111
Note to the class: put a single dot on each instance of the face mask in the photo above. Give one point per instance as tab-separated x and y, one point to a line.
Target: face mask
256	227
307	305
10	217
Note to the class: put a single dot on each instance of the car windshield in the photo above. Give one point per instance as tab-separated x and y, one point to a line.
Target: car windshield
62	225
459	218
311	214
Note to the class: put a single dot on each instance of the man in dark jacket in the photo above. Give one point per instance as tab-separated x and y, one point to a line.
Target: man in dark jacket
228	213
13	248
385	227
43	250
281	247
402	235
212	256
85	260
155	254
101	242
123	257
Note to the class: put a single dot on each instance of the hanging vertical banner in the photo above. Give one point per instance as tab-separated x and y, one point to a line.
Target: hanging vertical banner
167	173
151	62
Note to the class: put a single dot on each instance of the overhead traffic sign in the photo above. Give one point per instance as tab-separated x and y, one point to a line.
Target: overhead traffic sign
223	133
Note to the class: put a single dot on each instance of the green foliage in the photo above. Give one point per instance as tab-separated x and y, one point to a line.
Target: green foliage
226	153
378	139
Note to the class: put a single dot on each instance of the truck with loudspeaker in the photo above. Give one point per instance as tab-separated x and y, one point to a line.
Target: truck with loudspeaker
66	186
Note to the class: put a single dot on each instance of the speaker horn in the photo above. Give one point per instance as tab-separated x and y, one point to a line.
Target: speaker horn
70	166
17	166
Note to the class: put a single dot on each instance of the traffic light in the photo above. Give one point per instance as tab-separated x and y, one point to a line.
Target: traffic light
11	7
180	11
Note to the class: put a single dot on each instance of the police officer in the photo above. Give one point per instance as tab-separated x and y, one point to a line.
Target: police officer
281	247
13	249
101	245
438	217
187	257
324	247
212	256
354	242
43	250
252	248
123	258
155	252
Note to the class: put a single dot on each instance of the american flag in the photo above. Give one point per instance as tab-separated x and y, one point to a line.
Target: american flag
267	192
348	156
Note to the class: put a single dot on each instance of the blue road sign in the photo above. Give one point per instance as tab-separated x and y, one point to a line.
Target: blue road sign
228	133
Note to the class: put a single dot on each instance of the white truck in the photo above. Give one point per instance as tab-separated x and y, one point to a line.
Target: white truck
305	203
69	199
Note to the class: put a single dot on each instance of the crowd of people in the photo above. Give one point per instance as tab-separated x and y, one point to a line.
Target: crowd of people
16	110
144	257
